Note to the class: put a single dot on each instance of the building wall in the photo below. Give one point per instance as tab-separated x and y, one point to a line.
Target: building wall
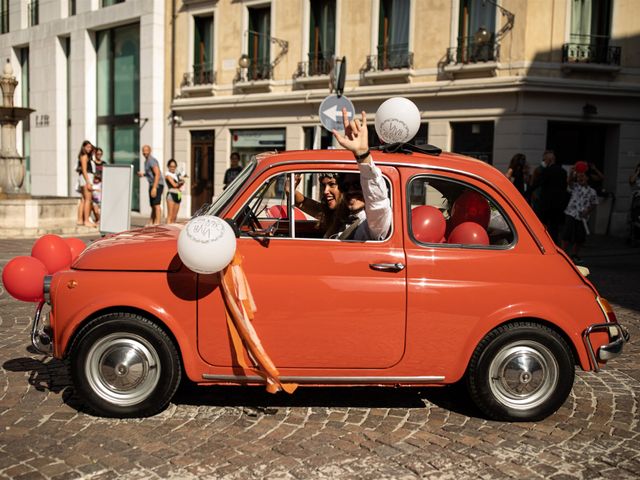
53	161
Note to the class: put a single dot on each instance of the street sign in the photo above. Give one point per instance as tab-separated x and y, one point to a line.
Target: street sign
330	112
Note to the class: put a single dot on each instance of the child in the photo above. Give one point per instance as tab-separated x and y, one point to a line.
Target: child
96	193
174	195
582	202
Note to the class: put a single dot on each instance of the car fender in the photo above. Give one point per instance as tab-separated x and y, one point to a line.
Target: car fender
539	312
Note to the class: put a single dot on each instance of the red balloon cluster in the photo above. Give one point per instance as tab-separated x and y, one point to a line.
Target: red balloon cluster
23	276
428	224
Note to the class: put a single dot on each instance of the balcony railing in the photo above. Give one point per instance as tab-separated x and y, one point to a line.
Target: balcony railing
474	52
598	53
254	72
33	12
390	57
4	21
202	74
318	64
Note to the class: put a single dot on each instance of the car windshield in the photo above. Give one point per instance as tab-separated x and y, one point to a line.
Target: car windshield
229	192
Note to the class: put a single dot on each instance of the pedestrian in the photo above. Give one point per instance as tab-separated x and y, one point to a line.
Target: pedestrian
596	179
156	184
96	192
233	171
174	192
84	168
581	203
549	194
518	173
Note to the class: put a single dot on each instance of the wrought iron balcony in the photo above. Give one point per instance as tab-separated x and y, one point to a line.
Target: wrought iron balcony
390	57
202	74
598	52
473	52
318	64
256	71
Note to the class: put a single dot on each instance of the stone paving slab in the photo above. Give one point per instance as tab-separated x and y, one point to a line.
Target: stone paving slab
345	433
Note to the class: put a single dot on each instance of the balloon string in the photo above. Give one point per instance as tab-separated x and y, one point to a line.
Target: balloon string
240	311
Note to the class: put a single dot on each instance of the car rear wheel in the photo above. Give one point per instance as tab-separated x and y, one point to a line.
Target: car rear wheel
521	371
124	365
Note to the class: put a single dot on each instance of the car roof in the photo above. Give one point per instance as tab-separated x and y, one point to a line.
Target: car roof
445	161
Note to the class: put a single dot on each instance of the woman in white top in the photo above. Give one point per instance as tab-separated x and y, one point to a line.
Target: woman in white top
174	194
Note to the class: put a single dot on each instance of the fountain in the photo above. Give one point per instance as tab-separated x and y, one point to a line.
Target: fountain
23	215
12	167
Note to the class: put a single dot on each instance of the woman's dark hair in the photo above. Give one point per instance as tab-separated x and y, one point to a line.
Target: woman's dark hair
171	160
518	161
82	152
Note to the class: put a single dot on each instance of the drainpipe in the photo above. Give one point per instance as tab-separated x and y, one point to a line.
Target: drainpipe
173	77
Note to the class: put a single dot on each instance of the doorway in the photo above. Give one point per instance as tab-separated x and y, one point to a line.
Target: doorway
202	170
474	139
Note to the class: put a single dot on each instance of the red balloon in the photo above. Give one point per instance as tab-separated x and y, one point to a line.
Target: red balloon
427	224
469	233
581	167
76	246
23	277
53	251
471	207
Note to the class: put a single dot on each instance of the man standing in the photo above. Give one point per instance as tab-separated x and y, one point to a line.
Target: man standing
549	194
156	184
233	171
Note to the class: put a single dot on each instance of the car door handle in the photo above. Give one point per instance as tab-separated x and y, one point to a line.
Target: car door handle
387	267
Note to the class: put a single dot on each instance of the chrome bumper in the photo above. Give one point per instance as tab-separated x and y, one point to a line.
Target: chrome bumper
618	335
41	335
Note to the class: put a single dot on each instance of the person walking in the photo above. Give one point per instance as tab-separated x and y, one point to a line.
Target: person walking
549	193
518	174
156	184
233	171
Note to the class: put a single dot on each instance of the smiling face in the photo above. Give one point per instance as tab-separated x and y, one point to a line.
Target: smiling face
330	192
172	166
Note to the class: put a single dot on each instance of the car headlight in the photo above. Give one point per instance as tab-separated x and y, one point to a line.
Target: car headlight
47	288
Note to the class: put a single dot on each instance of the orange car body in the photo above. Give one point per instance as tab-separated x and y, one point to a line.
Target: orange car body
324	316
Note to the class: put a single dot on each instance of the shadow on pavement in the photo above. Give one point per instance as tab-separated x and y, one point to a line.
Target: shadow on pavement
451	398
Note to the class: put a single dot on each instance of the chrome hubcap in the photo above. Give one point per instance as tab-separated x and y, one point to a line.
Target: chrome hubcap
123	368
523	375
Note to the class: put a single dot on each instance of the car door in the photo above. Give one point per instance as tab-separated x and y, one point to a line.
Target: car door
458	282
322	303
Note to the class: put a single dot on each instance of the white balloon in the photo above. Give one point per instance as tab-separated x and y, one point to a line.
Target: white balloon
397	120
207	244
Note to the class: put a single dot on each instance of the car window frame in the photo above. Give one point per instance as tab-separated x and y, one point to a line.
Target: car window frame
291	173
465	246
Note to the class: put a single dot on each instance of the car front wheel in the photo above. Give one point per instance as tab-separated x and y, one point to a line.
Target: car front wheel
124	365
521	371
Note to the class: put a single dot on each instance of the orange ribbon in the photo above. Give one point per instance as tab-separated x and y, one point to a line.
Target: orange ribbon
240	311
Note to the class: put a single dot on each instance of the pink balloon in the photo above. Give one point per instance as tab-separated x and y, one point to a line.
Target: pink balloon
427	224
469	233
53	251
471	207
76	246
23	277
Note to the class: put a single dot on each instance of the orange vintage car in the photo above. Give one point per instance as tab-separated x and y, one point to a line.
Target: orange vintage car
506	312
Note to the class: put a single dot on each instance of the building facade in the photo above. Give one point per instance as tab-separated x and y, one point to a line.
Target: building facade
91	69
490	78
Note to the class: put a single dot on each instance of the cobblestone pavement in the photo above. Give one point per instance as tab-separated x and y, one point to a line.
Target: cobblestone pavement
361	433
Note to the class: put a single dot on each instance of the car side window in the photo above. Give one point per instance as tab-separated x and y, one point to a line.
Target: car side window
449	212
266	212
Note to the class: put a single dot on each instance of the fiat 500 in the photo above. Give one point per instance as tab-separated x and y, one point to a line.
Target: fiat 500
506	312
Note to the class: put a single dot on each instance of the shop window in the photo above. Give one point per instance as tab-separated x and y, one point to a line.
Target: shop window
449	212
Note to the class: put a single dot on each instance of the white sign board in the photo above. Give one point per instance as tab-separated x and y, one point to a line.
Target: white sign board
115	209
330	112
